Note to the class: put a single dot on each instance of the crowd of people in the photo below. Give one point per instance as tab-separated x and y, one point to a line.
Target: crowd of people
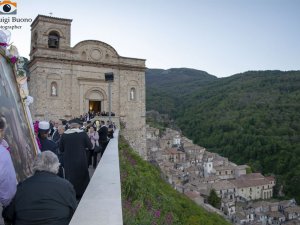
92	114
51	194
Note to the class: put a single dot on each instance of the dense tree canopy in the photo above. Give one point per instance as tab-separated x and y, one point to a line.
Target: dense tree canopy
252	118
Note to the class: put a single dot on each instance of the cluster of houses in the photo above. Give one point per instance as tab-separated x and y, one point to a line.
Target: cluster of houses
268	212
193	171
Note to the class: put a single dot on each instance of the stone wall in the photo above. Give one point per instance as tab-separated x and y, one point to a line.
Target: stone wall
78	74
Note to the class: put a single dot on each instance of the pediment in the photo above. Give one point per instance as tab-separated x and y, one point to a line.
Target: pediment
91	50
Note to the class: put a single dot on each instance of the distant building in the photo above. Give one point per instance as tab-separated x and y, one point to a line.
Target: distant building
152	133
275	218
244	217
166	141
208	163
194	154
153	147
286	204
228	207
195	196
254	186
224	189
240	170
177	141
174	156
225	172
263	206
292	213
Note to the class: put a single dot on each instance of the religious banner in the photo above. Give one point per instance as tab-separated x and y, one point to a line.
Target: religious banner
18	133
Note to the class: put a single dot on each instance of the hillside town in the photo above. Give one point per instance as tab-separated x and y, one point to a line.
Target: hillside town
246	198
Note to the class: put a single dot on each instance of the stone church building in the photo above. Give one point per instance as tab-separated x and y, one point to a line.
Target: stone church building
69	81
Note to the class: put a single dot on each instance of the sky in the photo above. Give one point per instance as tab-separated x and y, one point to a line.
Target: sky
221	37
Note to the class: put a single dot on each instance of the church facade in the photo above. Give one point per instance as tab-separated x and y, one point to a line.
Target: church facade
67	81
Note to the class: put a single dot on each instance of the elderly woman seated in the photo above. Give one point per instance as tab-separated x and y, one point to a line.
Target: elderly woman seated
43	198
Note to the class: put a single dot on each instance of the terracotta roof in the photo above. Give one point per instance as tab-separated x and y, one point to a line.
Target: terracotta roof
241	167
260	214
210	178
243	183
228	167
204	192
195	183
229	201
260	204
270	178
293	209
188	186
166	164
210	154
218	163
287	203
252	176
174	151
274	204
192	194
275	214
292	222
250	180
222	185
241	215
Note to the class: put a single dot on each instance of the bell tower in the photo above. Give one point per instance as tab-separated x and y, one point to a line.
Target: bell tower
49	34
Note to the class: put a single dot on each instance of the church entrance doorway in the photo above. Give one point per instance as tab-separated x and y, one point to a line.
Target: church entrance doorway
95	106
94	100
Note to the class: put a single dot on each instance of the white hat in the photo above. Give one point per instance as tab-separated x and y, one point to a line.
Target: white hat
44	125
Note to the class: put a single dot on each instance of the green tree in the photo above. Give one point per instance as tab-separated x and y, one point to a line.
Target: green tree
249	170
213	199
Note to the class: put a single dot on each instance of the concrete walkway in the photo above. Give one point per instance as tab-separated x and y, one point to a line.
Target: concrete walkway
101	203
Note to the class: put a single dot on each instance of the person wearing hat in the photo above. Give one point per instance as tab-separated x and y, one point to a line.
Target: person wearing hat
46	144
73	144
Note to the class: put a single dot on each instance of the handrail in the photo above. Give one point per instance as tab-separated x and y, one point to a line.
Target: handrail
101	203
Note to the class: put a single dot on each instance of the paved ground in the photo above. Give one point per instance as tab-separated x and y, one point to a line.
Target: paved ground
91	171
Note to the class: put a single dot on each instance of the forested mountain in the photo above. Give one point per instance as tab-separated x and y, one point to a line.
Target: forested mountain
252	117
166	87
